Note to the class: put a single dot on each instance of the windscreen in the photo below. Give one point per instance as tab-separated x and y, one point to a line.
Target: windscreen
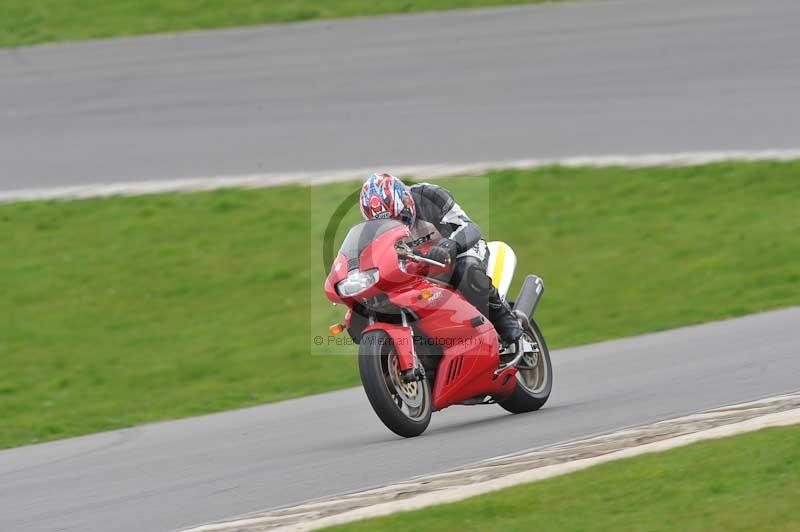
362	235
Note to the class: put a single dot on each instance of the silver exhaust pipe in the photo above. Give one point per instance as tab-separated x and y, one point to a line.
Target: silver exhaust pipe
529	295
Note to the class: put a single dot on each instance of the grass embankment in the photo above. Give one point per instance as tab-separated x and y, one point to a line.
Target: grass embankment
743	483
24	22
120	311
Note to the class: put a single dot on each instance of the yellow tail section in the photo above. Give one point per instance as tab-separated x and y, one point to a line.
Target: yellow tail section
502	264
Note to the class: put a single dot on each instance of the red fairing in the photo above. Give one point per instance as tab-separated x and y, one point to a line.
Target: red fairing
402	339
338	273
469	341
379	254
471	353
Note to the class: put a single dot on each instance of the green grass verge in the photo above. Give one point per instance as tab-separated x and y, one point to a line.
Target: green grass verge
24	22
120	311
743	483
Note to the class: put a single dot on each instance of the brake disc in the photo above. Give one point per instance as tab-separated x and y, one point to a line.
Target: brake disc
411	393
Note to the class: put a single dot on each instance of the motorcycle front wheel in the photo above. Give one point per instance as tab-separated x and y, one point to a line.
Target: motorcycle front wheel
405	408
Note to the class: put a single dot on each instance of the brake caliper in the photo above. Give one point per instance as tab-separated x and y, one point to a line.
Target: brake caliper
412	375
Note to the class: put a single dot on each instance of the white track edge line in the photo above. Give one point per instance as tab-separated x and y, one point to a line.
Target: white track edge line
424	171
779	419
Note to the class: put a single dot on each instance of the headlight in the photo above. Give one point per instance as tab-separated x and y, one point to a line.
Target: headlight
356	282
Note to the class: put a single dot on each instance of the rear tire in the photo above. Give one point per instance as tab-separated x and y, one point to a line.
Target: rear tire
377	363
533	385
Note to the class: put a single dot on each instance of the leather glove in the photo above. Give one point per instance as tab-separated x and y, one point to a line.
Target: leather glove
444	251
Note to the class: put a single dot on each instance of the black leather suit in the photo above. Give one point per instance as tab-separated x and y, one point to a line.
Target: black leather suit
438	216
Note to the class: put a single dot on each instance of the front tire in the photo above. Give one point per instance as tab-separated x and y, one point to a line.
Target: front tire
534	378
405	408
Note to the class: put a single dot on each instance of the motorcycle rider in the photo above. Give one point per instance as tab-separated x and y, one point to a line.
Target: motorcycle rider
433	215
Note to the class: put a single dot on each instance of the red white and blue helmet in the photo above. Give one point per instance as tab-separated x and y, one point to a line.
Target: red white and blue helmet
384	196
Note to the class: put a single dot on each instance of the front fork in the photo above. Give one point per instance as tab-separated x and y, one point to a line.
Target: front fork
403	340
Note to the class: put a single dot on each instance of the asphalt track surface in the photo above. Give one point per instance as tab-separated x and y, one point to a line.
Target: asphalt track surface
588	78
170	475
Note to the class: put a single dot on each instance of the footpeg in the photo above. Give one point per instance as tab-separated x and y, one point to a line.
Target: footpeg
520	352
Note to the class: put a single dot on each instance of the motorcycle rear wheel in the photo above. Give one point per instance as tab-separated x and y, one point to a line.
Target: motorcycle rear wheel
405	408
534	381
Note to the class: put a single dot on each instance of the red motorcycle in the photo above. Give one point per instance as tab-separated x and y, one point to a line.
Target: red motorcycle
422	346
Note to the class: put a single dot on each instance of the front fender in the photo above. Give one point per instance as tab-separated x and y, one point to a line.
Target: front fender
402	338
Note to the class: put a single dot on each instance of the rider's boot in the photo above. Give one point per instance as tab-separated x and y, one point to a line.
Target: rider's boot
503	320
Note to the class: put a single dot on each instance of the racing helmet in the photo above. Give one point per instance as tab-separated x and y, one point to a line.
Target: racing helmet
384	196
